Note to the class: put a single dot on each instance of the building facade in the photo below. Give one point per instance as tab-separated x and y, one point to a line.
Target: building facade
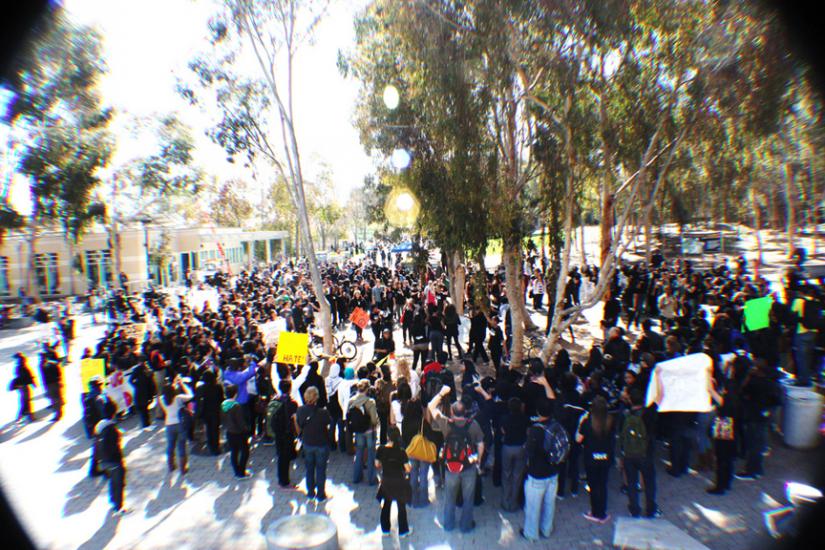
163	254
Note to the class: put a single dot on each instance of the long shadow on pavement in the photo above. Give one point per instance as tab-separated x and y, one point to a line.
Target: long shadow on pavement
38	433
168	496
80	496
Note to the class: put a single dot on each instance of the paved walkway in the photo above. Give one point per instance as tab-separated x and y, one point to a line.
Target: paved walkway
43	469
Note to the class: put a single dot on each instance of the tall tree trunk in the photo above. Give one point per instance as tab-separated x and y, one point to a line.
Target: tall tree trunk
583	248
790	200
514	298
72	288
459	282
297	247
757	227
648	220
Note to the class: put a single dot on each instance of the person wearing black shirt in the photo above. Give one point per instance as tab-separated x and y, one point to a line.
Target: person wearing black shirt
52	378
478	329
284	428
384	345
110	456
513	455
393	464
572	409
542	479
595	434
724	441
312	423
495	343
759	394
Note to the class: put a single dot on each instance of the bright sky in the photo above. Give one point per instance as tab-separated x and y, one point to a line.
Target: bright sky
148	43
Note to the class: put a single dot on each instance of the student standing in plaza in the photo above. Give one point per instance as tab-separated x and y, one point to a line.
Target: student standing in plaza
636	446
110	457
542	478
22	380
595	434
284	428
392	461
173	397
238	429
52	377
312	424
463	446
362	421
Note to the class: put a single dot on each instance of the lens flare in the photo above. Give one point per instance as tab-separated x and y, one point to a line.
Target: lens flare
401	208
391	97
400	159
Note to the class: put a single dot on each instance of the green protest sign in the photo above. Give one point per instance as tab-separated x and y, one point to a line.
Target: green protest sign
757	313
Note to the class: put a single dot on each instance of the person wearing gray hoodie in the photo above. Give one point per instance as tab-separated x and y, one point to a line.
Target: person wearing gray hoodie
362	421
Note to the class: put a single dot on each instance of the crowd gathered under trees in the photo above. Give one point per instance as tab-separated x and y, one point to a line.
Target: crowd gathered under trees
462	409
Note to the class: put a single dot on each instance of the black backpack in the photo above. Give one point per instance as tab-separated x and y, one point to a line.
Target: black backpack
100	452
358	421
458	448
811	314
432	385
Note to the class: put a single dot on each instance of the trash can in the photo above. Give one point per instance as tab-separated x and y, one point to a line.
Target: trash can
802	417
315	531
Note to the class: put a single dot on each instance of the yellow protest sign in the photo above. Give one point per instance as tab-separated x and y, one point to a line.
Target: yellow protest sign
292	348
89	368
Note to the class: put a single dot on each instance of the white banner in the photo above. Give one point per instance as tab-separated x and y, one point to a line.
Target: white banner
119	390
681	384
271	330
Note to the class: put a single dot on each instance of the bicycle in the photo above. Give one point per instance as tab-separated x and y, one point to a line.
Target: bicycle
533	344
341	347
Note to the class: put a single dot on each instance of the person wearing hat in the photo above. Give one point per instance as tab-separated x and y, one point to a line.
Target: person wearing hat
495	342
52	378
94	405
384	345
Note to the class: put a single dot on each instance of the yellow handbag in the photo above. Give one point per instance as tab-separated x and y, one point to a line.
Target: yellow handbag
421	448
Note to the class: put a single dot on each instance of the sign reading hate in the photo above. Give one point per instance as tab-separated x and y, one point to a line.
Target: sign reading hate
681	384
292	348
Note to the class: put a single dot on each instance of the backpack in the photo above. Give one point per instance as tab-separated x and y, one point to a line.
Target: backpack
432	385
272	409
634	437
357	420
811	314
458	448
556	442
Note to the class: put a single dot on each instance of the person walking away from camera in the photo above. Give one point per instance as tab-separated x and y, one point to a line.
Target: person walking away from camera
209	397
283	429
174	397
312	424
22	380
362	421
391	460
110	457
513	453
808	311
636	438
545	448
595	434
463	446
759	395
452	322
238	429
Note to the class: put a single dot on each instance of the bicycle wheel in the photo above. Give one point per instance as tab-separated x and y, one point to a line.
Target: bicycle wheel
347	350
316	347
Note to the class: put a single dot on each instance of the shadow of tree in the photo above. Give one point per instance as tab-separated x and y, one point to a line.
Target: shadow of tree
104	535
168	495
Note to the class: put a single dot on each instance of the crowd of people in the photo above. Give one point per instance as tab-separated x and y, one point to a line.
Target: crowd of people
458	413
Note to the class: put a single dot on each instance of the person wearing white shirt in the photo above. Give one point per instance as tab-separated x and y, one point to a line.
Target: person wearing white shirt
173	398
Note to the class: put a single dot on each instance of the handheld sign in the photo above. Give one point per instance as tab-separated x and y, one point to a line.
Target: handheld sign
292	348
90	368
360	317
757	313
681	384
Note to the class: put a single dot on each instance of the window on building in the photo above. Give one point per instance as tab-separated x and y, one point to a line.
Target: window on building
99	268
46	273
5	284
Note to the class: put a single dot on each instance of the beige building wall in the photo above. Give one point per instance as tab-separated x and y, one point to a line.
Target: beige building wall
187	248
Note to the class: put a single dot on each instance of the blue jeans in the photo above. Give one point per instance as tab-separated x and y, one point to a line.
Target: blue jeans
466	480
316	464
513	462
539	506
703	422
804	344
364	450
174	434
419	483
